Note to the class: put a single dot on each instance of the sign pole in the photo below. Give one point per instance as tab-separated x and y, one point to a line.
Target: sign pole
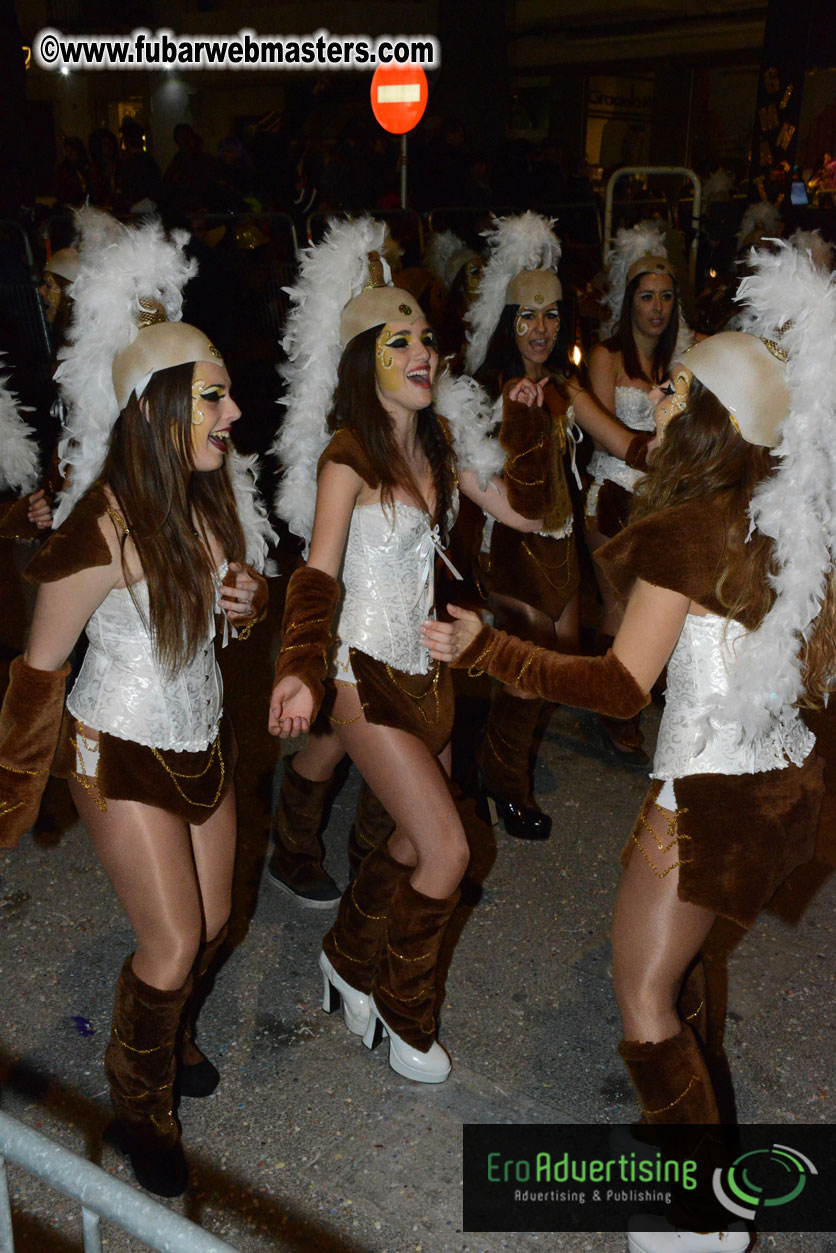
403	170
399	98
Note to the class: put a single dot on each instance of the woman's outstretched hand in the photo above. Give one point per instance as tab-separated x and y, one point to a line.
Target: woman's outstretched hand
448	640
291	706
527	392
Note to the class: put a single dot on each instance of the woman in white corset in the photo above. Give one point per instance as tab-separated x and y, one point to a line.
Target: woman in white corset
386	494
727	570
625	372
150	552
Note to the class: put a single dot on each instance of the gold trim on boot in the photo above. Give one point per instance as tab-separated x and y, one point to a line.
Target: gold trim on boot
372	826
671	1079
296	864
404	987
198	1077
140	1066
353	944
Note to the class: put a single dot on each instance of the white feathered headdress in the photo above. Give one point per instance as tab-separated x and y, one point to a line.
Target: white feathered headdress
331	273
761	218
19	458
791	303
444	256
118	267
521	243
645	239
717	186
822	251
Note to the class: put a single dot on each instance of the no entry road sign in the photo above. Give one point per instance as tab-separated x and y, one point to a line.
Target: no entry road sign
399	97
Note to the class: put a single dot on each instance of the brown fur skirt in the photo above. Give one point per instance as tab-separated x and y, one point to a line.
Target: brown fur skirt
421	704
189	785
536	569
740	836
612	510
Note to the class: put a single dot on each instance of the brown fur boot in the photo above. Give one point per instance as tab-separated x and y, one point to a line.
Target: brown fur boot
140	1066
296	865
353	944
504	759
372	826
703	1003
405	983
671	1079
196	1075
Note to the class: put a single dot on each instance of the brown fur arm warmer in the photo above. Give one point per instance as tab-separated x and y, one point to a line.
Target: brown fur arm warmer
14	521
30	721
636	454
601	684
310	605
526	440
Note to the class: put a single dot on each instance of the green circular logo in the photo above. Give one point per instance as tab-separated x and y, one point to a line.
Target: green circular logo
762	1178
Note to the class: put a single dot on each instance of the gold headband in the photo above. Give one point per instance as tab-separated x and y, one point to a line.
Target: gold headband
650	264
534	288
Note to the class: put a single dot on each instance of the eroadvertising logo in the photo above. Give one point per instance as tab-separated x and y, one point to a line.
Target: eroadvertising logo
761	1180
592	1178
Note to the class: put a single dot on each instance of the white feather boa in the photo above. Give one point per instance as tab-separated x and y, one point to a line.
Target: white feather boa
520	243
19	457
117	266
258	533
471	418
331	273
796	506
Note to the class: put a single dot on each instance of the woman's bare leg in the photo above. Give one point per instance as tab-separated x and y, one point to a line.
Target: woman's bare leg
655	936
412	785
147	855
213	848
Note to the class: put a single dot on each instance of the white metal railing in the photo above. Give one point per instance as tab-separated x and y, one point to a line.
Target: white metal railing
98	1193
684	172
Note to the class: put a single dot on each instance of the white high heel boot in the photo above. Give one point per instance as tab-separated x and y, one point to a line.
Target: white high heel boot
663	1238
430	1067
335	990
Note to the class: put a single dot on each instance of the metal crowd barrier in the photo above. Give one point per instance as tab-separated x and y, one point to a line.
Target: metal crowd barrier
98	1193
643	170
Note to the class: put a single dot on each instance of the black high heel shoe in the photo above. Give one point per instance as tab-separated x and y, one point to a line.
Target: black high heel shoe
521	821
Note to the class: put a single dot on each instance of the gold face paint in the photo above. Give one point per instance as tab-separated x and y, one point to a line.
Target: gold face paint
201	390
676	400
392	354
536	331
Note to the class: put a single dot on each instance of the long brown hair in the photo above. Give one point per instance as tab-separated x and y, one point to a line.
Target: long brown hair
702	456
624	342
357	406
170	510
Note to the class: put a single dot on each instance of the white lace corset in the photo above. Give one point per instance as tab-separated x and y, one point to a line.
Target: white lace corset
121	690
698	672
635	409
388	577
